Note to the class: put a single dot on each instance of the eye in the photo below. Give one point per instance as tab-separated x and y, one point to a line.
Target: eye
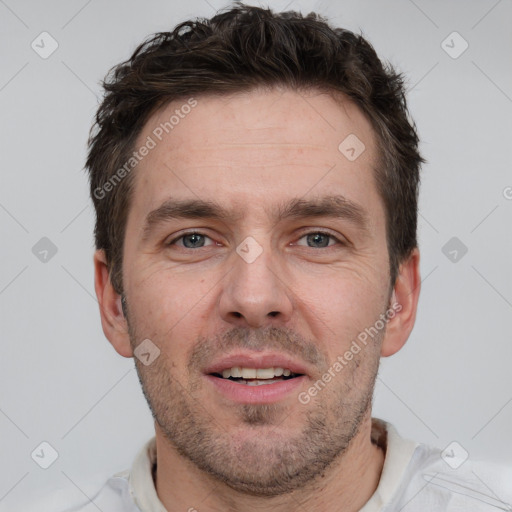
318	239
191	240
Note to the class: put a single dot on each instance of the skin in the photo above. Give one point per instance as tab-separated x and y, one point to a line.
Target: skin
301	296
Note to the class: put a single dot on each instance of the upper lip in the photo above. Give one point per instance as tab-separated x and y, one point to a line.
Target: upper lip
256	360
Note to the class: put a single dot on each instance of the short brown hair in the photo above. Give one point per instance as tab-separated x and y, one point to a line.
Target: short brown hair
237	50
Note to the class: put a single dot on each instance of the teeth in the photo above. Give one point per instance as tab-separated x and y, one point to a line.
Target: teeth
234	372
265	373
248	373
255	373
259	382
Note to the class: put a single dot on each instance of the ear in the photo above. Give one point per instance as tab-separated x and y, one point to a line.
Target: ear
404	303
113	321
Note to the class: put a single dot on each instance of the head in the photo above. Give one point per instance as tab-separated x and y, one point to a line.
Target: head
255	178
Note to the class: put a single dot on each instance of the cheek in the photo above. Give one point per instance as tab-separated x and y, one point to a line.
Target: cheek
340	306
166	306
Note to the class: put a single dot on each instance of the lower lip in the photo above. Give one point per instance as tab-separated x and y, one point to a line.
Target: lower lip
262	394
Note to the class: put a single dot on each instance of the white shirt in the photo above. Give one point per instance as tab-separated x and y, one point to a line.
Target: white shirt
415	478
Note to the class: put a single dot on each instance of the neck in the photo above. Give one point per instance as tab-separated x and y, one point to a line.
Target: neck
346	485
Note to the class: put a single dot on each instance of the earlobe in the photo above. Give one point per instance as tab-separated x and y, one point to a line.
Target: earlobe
403	303
113	320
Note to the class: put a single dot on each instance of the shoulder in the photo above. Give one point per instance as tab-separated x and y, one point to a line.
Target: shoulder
131	490
114	496
418	477
448	480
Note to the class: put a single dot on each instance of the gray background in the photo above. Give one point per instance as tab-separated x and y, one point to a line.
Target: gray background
61	382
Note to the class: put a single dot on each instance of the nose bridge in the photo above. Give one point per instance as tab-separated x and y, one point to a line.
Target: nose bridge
255	270
253	291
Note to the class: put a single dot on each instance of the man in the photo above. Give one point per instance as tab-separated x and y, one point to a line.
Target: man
255	178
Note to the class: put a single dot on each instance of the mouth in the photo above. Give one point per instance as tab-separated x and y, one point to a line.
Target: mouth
252	378
256	376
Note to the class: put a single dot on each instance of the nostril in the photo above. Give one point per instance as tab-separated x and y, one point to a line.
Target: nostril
237	314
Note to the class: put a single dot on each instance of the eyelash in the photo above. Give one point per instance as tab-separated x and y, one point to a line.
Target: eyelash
304	234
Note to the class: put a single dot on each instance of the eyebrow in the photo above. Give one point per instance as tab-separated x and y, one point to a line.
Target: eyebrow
185	209
335	206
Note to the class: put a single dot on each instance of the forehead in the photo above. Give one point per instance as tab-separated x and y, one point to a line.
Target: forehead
254	146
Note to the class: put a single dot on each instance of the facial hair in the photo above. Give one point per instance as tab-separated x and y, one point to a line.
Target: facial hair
266	463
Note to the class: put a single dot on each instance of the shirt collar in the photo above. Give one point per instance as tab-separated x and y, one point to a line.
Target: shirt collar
399	452
141	483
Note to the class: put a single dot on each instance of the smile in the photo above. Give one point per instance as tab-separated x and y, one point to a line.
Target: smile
256	376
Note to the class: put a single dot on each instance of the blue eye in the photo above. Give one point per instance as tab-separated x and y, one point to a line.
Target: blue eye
191	240
196	240
318	240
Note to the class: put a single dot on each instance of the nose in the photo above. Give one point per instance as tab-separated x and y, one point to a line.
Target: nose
254	292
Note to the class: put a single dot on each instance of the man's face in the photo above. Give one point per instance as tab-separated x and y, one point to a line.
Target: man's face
286	274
